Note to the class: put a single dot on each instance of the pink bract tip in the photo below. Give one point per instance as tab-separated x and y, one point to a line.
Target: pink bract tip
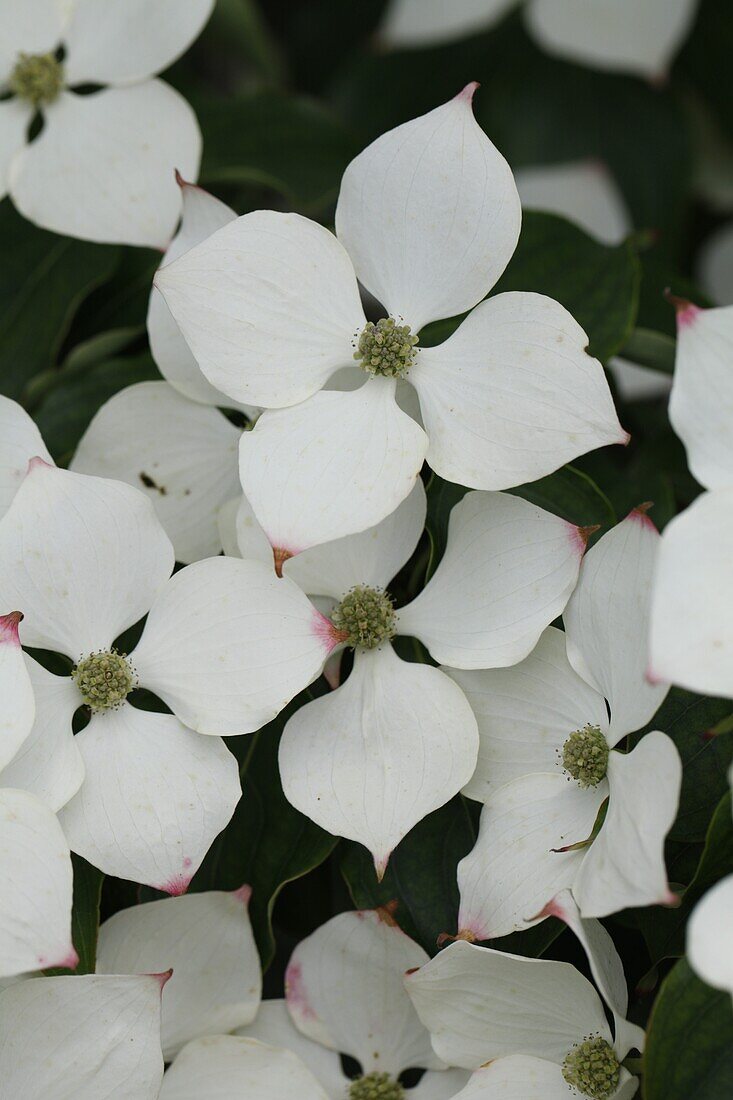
466	94
671	900
281	554
176	885
325	631
70	960
9	628
653	677
243	894
686	311
161	978
180	180
639	514
37	463
579	536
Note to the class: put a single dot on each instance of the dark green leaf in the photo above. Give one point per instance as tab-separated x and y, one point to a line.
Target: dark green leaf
420	875
74	396
651	349
85	915
689	1053
123	301
267	843
43	280
287	143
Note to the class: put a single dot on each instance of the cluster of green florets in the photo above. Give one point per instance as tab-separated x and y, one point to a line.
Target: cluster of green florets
37	78
585	756
365	617
592	1068
376	1086
105	679
386	348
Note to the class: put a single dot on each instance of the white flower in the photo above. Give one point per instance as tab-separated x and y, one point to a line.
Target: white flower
715	265
87	1037
206	940
35	863
85	559
398	738
638	36
692	609
102	167
548	762
427	219
540	1025
710	934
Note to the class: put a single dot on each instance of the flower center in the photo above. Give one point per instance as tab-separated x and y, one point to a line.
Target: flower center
386	348
37	78
585	756
592	1068
365	617
105	679
376	1086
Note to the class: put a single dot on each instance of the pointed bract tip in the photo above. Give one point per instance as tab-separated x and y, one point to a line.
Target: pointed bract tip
686	311
176	885
9	628
653	677
161	978
243	894
38	463
553	907
671	900
411	971
70	960
639	514
380	865
180	180
466	94
625	438
280	555
386	913
580	536
465	934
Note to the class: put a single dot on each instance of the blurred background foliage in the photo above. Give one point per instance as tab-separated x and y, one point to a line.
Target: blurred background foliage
287	92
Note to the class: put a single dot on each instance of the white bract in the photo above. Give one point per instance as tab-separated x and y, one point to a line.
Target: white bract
81	1038
35	863
427	219
102	166
692	609
638	36
710	934
548	759
86	558
540	1025
398	739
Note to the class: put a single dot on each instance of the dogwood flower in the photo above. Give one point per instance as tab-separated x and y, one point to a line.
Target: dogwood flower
548	762
533	1029
632	36
155	793
692	628
427	219
85	1037
398	738
710	934
102	166
35	863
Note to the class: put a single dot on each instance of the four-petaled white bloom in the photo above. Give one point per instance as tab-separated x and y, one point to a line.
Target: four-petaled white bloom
427	219
548	759
398	738
540	1025
102	167
692	610
85	1037
637	36
85	558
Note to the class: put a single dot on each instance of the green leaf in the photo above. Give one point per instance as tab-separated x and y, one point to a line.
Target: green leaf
84	915
43	280
290	144
75	395
689	1052
651	349
420	875
597	284
123	301
689	720
267	843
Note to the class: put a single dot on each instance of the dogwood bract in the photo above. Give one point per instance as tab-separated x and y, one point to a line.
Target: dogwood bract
398	738
86	559
639	36
539	1024
427	219
102	167
35	863
548	759
85	1037
692	626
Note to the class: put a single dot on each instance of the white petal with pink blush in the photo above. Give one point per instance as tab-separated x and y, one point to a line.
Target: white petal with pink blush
18	703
